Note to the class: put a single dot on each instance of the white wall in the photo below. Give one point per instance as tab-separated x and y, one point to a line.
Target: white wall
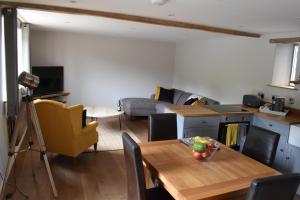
99	70
227	68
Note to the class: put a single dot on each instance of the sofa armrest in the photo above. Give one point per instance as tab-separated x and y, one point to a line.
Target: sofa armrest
90	127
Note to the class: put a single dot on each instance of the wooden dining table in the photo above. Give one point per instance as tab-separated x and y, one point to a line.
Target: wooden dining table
227	175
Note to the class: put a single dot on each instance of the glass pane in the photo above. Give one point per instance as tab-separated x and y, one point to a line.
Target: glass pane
294	64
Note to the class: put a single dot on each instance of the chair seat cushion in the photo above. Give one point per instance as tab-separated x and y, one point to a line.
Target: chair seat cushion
158	193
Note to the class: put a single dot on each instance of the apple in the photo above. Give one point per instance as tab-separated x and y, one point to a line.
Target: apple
211	147
205	154
197	155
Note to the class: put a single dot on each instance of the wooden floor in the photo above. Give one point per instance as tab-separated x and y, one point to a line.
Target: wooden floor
91	176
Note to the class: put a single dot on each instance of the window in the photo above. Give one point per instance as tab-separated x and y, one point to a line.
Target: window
20	48
295	65
286	65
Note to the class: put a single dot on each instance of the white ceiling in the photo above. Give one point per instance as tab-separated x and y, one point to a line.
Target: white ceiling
261	16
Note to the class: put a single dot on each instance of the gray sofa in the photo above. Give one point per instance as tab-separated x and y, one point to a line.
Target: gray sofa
147	106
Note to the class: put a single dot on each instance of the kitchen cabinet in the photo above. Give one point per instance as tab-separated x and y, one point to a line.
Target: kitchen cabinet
294	159
190	126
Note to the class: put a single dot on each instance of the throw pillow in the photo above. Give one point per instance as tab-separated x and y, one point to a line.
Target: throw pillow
193	96
164	94
190	101
83	118
200	102
157	92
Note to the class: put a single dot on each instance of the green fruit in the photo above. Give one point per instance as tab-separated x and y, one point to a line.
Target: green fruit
199	147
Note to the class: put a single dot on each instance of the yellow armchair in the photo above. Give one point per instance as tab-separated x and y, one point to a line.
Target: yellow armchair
62	128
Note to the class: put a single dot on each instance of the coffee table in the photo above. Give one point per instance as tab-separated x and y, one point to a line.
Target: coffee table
95	112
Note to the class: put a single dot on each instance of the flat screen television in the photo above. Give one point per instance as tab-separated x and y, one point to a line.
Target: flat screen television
51	79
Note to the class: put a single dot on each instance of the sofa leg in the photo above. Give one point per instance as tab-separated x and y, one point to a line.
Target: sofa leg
95	147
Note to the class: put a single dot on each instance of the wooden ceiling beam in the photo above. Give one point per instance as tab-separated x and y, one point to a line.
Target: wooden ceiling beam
127	17
285	40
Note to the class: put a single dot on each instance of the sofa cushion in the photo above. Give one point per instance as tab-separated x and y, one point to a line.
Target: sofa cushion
199	102
164	94
177	95
180	97
184	96
138	106
190	101
211	101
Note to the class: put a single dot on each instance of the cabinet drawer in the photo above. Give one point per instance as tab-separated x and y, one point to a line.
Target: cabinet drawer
191	122
282	129
208	131
236	118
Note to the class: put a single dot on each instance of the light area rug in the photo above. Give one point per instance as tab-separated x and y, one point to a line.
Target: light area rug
110	135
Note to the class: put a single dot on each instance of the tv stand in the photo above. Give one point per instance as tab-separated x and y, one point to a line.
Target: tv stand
60	96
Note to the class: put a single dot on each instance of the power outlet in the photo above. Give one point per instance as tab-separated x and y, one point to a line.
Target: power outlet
261	95
291	100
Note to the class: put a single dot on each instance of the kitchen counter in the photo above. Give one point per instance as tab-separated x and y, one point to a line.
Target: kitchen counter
293	117
190	111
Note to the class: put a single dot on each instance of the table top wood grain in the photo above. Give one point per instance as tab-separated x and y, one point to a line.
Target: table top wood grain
228	172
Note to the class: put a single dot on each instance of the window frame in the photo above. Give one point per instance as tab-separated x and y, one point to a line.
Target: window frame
294	66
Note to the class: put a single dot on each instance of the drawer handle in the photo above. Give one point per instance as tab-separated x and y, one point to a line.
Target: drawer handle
203	122
281	150
270	125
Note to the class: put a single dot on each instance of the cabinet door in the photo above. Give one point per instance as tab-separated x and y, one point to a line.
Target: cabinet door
195	122
281	153
274	126
282	157
242	139
204	131
200	126
294	161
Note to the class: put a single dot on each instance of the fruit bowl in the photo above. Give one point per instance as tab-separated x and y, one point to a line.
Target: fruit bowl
204	148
